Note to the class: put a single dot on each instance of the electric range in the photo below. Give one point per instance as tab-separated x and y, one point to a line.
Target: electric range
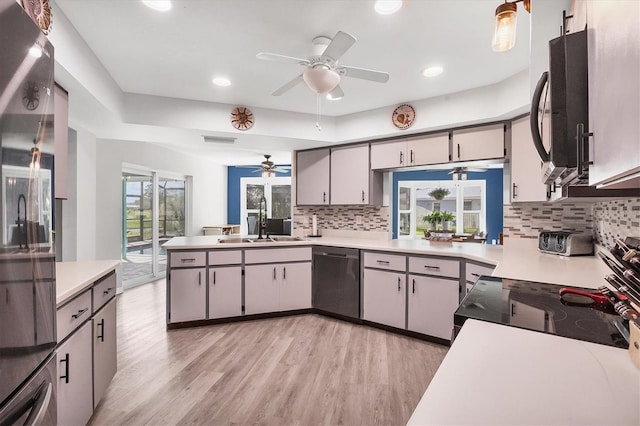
537	306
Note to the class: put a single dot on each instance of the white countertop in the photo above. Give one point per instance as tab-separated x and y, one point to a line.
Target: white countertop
499	375
517	259
72	278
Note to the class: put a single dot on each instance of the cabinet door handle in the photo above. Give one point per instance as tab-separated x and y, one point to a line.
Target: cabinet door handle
458	151
434	268
398	283
324	197
475	275
101	333
412	158
274	272
199	277
383	262
401	157
414	285
284	272
214	277
363	196
79	314
582	139
190	260
66	368
513	309
515	190
107	291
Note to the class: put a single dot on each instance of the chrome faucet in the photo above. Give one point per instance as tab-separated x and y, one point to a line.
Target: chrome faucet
262	217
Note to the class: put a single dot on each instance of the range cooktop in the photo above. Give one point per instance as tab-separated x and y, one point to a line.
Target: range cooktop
537	306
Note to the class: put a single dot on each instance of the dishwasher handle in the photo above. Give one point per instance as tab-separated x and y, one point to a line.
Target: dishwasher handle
338	255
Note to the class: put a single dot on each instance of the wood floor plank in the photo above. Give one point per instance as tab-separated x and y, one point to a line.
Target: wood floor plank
297	370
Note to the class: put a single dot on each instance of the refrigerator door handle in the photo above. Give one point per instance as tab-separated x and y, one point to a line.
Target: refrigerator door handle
40	405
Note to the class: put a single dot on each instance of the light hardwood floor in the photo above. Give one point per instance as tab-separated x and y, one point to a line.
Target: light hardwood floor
298	370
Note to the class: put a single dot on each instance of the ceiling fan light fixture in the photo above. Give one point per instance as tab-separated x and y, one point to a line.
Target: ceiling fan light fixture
159	5
321	80
334	97
387	7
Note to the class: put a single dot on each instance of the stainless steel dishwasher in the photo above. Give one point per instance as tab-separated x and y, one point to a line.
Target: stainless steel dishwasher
336	281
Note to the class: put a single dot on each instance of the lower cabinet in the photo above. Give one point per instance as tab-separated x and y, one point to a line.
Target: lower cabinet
384	297
104	349
432	303
75	385
279	287
225	292
188	288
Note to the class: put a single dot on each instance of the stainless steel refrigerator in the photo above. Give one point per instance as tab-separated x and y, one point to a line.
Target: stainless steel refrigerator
28	377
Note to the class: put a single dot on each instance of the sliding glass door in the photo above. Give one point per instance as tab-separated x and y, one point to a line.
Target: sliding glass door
153	211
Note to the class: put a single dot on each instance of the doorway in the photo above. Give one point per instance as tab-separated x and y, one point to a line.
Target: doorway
153	211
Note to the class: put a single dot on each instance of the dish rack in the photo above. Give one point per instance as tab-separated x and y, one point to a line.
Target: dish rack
623	258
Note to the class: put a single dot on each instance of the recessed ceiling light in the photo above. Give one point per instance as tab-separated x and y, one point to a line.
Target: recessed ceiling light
387	7
432	71
222	81
159	5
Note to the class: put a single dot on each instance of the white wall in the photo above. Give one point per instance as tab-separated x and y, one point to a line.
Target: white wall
208	192
85	195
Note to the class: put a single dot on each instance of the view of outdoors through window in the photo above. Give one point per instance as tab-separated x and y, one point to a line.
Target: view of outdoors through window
277	193
458	205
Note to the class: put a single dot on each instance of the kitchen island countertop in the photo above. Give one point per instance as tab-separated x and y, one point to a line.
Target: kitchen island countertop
509	376
72	278
517	258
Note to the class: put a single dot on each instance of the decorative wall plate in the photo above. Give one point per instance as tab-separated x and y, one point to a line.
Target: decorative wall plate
403	116
242	118
40	12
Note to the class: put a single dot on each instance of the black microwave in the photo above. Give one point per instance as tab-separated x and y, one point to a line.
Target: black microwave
560	111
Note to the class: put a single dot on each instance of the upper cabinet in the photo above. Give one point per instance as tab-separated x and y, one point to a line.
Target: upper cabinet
432	149
479	143
312	177
352	181
613	32
526	180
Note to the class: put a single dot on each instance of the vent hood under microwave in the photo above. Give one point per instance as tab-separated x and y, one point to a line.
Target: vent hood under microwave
560	111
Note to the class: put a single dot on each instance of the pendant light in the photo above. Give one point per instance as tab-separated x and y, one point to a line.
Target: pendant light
504	34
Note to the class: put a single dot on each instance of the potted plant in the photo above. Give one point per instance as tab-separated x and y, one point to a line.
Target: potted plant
434	219
447	218
439	193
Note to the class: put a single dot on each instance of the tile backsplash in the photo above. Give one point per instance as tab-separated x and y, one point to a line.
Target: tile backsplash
355	218
605	220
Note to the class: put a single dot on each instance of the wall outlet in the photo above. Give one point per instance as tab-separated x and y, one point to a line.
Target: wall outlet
358	219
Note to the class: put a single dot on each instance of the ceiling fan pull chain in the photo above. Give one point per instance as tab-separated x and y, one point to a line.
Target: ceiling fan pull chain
319	112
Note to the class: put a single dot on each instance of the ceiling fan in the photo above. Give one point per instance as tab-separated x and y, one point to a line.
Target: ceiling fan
460	173
267	167
322	73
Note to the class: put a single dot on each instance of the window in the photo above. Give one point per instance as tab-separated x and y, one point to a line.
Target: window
277	193
466	200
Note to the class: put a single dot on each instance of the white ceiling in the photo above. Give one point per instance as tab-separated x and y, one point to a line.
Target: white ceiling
176	54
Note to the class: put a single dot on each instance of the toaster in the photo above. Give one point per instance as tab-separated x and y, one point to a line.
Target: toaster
565	243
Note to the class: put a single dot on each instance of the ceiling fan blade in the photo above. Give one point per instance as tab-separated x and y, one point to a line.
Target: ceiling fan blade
365	74
339	45
288	86
265	56
336	93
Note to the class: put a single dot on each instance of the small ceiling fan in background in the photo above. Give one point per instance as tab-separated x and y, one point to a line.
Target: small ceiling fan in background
267	167
460	173
322	73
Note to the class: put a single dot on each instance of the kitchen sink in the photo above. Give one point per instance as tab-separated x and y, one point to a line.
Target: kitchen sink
238	240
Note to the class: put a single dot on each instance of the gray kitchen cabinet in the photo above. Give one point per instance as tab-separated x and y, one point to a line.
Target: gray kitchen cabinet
295	287
432	302
421	151
105	349
225	291
525	165
188	288
473	272
614	85
384	297
312	177
75	384
478	143
352	181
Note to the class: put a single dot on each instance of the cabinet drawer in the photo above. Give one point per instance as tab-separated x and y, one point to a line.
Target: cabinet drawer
474	271
103	291
186	259
430	266
73	314
392	262
225	257
277	255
